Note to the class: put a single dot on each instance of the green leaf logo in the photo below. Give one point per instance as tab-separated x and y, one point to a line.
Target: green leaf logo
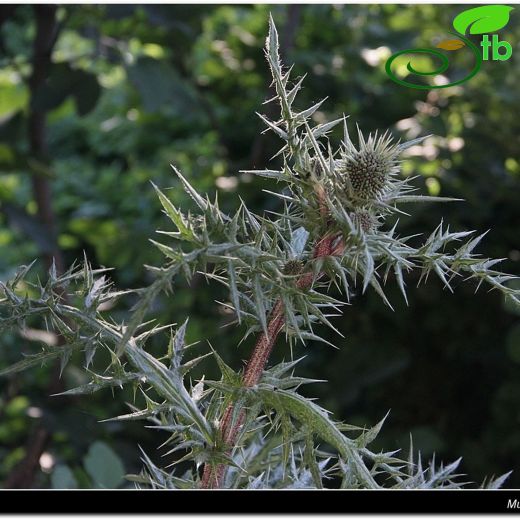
484	19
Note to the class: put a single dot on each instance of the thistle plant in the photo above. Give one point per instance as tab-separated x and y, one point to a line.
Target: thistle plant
252	428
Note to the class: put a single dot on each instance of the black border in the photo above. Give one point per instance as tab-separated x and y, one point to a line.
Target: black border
254	502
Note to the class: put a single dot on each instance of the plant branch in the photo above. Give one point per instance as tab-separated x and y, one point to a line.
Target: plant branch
330	245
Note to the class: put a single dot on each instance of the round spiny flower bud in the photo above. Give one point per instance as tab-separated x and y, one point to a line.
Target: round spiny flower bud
367	173
364	220
292	267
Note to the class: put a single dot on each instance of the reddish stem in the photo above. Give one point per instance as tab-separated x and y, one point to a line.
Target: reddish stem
213	476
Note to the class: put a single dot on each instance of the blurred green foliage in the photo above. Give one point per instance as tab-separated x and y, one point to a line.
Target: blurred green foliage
134	88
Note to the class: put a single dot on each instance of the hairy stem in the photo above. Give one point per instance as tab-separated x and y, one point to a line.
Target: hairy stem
213	476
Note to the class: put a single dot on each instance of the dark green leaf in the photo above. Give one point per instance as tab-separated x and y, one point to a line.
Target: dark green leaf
63	478
104	466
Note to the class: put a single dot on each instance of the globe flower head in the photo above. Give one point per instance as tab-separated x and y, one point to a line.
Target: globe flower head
365	220
366	173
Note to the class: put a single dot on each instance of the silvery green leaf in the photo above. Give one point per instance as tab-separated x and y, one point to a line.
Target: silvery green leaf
276	129
260	302
192	363
322	129
64	359
310	336
467	248
413	142
272	48
368	269
299	239
228	374
315	418
169	386
270	174
400	281
291	95
198	391
497	483
139	414
99	382
30	361
177	346
175	215
305	114
21	273
234	289
201	203
94	292
377	286
370	435
403	199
